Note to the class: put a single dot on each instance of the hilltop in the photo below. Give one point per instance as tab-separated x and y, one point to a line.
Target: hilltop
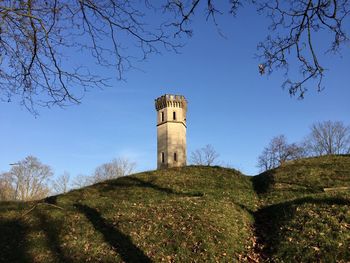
297	212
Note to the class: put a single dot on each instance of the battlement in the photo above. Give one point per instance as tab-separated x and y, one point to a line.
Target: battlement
170	100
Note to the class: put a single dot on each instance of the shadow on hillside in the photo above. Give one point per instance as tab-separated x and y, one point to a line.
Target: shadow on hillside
270	220
262	183
12	205
121	243
51	199
265	182
129	181
12	241
245	208
51	231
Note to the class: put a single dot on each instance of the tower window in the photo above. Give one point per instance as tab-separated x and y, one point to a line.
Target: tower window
163	159
162	115
175	157
174	115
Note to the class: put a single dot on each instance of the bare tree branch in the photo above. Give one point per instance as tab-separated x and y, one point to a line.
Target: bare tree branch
296	24
42	42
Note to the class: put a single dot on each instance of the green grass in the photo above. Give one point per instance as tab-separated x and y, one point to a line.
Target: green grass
298	221
175	215
191	214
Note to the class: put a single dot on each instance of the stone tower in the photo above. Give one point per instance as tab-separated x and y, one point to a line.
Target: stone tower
171	131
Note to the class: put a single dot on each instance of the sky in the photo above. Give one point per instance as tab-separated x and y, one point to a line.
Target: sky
230	106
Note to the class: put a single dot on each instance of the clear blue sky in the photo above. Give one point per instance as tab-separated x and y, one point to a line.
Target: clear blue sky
230	106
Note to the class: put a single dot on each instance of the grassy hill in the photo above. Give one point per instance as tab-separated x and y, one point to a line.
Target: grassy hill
194	213
305	211
191	214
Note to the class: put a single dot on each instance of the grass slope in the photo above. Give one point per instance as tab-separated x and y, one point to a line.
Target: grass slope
300	222
175	215
191	214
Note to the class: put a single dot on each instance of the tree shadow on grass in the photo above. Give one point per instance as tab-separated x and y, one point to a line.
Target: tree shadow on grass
245	208
262	183
121	243
51	200
265	182
129	181
12	241
51	230
18	206
269	221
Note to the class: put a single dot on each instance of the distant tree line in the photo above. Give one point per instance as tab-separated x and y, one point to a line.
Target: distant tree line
325	138
30	179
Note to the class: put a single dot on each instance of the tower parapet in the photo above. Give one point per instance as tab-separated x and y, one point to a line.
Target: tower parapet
171	130
169	100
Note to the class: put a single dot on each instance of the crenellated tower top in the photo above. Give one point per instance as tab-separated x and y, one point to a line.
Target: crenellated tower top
169	100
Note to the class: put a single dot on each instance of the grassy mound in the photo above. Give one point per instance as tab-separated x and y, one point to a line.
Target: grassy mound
299	212
305	211
175	215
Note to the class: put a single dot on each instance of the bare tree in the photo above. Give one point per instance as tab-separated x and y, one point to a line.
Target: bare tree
40	39
204	156
61	184
82	180
329	138
303	21
293	30
6	188
116	168
279	151
30	179
197	157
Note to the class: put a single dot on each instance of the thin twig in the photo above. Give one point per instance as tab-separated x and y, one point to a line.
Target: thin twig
41	203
